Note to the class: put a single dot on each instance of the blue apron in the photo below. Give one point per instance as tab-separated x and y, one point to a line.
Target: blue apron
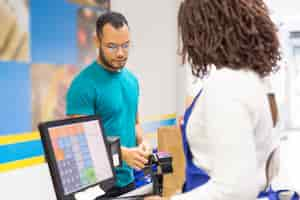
196	177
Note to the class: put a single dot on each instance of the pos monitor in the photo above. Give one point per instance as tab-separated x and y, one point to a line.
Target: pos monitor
77	155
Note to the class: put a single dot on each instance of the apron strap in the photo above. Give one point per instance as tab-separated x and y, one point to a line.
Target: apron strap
195	99
186	118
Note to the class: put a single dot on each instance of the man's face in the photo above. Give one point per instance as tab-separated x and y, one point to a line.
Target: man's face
113	46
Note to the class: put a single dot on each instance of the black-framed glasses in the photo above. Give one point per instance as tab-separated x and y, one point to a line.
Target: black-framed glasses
113	48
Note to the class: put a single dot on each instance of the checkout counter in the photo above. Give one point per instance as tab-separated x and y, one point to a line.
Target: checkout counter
82	160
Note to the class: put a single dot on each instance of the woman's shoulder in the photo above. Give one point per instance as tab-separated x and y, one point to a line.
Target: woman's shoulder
234	84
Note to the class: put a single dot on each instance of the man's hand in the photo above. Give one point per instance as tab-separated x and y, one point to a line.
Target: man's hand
135	157
145	147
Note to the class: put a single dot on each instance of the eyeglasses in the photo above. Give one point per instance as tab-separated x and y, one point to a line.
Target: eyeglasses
113	48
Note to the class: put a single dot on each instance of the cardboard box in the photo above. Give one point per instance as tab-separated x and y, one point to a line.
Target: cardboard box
170	140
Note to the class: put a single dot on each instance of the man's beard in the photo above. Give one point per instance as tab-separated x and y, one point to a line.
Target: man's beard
106	63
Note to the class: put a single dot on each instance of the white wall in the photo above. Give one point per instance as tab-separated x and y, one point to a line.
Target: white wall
286	14
285	9
32	183
153	56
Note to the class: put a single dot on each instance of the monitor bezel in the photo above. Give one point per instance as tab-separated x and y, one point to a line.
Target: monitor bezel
50	157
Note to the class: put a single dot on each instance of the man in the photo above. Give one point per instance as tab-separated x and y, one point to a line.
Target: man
107	89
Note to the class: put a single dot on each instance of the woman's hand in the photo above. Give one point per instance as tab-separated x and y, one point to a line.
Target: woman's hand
156	198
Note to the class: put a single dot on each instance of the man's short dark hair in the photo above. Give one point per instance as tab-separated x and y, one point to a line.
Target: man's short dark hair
117	20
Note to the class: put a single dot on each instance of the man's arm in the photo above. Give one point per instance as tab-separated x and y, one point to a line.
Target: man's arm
139	131
137	157
140	137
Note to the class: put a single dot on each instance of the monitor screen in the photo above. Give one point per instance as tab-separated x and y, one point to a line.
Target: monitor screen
77	153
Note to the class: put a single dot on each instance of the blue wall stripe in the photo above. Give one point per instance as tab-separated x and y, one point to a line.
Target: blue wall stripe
151	127
25	150
20	151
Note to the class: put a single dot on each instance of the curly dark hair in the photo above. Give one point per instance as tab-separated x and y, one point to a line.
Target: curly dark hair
237	34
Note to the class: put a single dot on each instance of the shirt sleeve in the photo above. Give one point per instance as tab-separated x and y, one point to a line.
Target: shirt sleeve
80	99
230	129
